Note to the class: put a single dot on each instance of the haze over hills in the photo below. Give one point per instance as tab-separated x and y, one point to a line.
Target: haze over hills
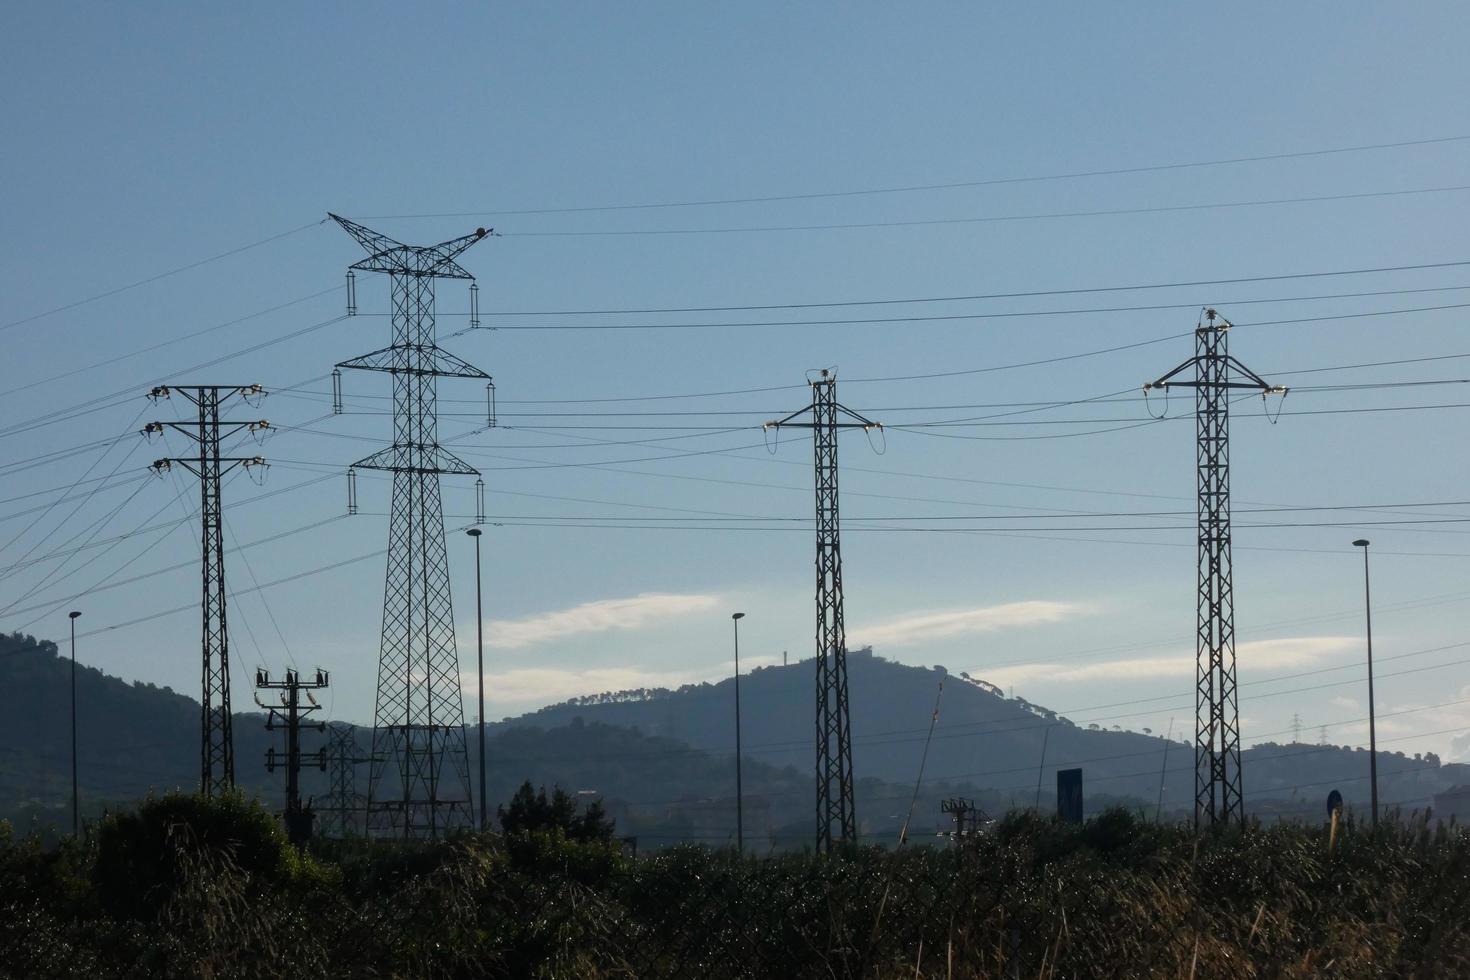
986	738
661	760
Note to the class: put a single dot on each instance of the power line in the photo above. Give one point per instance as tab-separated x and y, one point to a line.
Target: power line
1026	294
910	188
986	219
156	277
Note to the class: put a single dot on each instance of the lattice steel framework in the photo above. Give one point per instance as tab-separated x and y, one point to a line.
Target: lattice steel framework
340	814
217	742
419	776
835	805
1218	792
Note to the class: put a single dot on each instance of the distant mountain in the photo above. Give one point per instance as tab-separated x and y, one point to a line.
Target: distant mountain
987	739
662	760
136	738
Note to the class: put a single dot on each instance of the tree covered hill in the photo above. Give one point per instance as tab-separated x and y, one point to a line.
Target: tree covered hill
991	740
662	761
135	739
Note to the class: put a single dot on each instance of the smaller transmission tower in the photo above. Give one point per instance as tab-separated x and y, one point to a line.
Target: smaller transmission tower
1218	795
967	816
290	715
217	752
341	817
835	805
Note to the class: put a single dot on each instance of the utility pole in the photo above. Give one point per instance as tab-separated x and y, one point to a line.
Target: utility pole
1163	774
735	619
419	783
474	532
289	715
1296	728
1372	715
76	806
217	744
1218	794
835	804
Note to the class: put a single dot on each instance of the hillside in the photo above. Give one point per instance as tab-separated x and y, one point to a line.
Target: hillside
662	762
137	738
986	738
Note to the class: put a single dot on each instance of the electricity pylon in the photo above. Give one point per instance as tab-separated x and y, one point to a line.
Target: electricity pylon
1218	794
289	715
217	744
419	784
834	730
339	814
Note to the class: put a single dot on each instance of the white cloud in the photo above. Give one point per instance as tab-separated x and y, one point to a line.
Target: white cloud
593	617
1350	703
1295	651
925	627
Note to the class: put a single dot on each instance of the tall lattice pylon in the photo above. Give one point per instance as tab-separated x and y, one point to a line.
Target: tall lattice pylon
835	806
419	783
217	742
1218	793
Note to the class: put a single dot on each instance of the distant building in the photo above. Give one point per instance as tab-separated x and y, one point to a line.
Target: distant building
1453	803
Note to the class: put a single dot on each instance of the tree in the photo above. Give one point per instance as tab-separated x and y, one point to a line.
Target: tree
531	810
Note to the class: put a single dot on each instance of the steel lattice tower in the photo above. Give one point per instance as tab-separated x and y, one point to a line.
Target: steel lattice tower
1218	795
339	814
834	730
419	778
217	743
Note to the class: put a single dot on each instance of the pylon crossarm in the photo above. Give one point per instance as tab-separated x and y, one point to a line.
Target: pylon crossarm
438	260
1256	380
432	361
859	421
1164	382
787	421
374	243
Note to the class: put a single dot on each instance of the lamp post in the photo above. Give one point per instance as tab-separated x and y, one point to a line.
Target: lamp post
1372	725
76	811
474	532
739	790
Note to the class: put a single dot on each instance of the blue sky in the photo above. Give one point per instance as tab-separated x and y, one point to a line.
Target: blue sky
142	139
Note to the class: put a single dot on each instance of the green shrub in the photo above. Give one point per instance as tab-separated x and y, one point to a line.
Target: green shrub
142	855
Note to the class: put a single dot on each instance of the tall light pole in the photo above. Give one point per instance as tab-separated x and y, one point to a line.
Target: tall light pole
739	790
76	811
474	532
1372	724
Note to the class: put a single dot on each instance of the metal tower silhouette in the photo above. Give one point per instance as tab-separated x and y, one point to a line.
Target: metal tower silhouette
1218	795
217	741
339	815
289	715
834	730
419	778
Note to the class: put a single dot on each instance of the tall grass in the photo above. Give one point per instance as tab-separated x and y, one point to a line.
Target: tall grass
188	888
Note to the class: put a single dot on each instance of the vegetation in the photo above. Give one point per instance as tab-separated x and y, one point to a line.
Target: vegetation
185	887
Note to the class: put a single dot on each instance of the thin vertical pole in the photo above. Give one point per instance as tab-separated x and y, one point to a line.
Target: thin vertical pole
480	670
1163	774
76	812
1041	766
1372	721
739	788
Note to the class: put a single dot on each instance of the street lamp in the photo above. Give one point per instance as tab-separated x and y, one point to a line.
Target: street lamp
1372	726
76	812
474	532
739	790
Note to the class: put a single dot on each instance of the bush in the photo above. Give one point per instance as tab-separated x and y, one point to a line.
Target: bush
142	856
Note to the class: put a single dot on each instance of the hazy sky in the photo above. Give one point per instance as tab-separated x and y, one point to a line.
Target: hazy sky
142	139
